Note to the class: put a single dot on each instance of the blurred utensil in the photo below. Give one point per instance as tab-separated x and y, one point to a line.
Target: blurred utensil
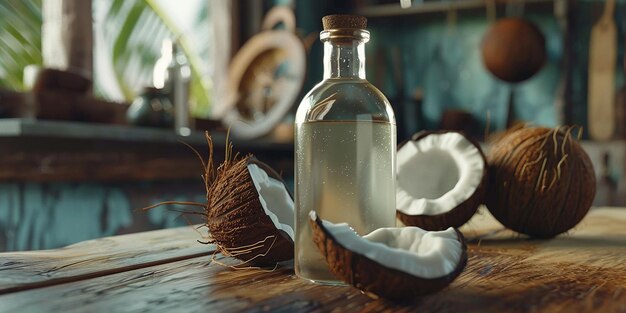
620	107
602	60
561	106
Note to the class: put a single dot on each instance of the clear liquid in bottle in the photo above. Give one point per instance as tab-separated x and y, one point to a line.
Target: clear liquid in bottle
347	171
345	137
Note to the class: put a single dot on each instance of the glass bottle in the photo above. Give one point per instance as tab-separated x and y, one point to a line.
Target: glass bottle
345	137
173	74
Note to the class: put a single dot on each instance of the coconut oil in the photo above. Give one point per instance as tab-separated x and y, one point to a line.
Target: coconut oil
345	137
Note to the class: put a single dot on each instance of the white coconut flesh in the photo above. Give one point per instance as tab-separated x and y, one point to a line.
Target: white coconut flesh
412	250
437	173
276	201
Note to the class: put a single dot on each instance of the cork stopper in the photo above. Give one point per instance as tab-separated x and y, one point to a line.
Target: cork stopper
343	21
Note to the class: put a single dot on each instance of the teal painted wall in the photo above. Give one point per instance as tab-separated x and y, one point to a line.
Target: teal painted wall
455	77
37	216
51	215
445	62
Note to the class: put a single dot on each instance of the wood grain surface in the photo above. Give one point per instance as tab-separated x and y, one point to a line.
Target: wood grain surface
582	271
34	269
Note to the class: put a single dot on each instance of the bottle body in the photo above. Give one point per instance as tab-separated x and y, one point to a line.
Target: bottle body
172	74
345	137
345	153
180	75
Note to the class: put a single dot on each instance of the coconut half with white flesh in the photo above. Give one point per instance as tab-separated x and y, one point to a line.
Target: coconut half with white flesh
394	263
441	180
250	213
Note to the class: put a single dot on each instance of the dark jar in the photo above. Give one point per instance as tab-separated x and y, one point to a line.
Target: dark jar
152	108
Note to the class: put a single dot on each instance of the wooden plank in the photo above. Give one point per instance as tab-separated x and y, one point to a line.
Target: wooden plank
22	128
599	240
70	151
190	286
197	285
28	128
34	269
57	159
584	270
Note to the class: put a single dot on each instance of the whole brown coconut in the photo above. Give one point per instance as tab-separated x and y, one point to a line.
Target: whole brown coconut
513	49
541	181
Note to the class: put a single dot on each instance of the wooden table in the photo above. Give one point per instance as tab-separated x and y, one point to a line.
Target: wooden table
168	271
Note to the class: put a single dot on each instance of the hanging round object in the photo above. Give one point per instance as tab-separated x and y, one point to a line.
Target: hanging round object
513	49
265	78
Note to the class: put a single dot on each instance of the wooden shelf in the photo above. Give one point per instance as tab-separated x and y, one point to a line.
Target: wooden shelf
17	127
52	151
429	7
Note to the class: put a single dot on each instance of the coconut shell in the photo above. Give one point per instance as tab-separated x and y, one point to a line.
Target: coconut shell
237	221
374	278
513	49
541	183
456	216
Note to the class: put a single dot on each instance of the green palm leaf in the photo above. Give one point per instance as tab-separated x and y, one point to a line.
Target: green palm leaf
20	40
134	31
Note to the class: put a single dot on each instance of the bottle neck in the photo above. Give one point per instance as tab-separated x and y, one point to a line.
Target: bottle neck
344	58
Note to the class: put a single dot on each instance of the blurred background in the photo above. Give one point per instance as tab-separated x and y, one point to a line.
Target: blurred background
95	96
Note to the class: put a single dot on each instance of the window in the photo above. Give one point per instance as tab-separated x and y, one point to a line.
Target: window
127	39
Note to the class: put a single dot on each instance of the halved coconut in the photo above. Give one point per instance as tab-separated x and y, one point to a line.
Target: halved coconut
250	212
394	263
441	180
